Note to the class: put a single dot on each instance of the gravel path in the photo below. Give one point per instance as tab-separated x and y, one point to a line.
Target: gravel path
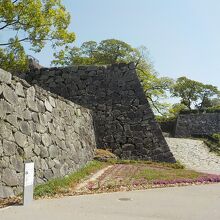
194	154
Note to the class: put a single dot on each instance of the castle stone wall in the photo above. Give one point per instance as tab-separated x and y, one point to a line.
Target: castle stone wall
197	124
36	125
123	119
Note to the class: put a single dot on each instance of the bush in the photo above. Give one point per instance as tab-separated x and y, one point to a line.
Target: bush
213	143
161	119
104	155
167	124
214	109
216	137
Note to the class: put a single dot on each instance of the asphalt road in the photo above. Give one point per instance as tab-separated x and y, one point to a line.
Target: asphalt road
176	203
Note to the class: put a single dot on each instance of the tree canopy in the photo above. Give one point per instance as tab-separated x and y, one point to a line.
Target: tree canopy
34	22
113	51
194	93
109	51
215	102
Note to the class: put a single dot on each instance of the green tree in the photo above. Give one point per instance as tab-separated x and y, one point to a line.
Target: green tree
176	109
113	51
171	113
193	93
215	102
205	95
13	57
34	22
106	52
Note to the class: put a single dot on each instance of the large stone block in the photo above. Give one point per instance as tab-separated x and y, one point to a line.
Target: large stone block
5	77
20	139
6	191
5	108
31	99
9	148
9	177
12	119
17	163
48	106
19	90
10	95
1	148
24	127
53	151
5	131
46	139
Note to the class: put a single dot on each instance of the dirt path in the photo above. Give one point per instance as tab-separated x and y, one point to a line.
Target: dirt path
194	154
93	178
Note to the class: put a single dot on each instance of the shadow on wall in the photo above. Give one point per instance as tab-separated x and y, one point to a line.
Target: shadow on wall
123	119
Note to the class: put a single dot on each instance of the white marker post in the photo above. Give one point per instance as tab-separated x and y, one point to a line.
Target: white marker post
28	183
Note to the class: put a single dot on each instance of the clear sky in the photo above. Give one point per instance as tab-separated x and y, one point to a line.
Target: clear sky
183	36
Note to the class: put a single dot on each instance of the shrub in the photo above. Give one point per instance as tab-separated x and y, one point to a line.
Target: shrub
216	137
213	143
214	109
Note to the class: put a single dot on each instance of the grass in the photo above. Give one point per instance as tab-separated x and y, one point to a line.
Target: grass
211	141
176	165
62	185
144	175
166	174
213	147
104	155
124	173
65	184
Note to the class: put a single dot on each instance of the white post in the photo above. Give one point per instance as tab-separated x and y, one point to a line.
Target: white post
28	183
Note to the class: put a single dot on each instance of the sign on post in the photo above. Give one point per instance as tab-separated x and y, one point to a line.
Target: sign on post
28	183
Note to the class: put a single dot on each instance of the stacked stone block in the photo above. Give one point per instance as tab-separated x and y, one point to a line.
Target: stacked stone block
123	119
199	124
36	125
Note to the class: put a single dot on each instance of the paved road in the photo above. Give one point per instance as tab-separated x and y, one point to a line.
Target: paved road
194	154
177	203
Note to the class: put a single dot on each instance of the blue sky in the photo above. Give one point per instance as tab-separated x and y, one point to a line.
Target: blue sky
183	36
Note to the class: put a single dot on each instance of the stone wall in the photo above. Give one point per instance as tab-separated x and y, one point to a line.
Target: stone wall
168	126
199	124
123	119
38	126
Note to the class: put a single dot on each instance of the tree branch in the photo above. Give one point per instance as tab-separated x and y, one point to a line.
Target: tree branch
27	39
137	63
152	102
15	1
9	24
10	43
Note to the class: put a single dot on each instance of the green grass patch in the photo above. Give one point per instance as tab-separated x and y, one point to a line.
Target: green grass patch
131	170
61	185
176	165
213	147
166	174
213	143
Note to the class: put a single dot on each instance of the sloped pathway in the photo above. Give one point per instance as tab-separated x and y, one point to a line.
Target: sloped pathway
194	154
